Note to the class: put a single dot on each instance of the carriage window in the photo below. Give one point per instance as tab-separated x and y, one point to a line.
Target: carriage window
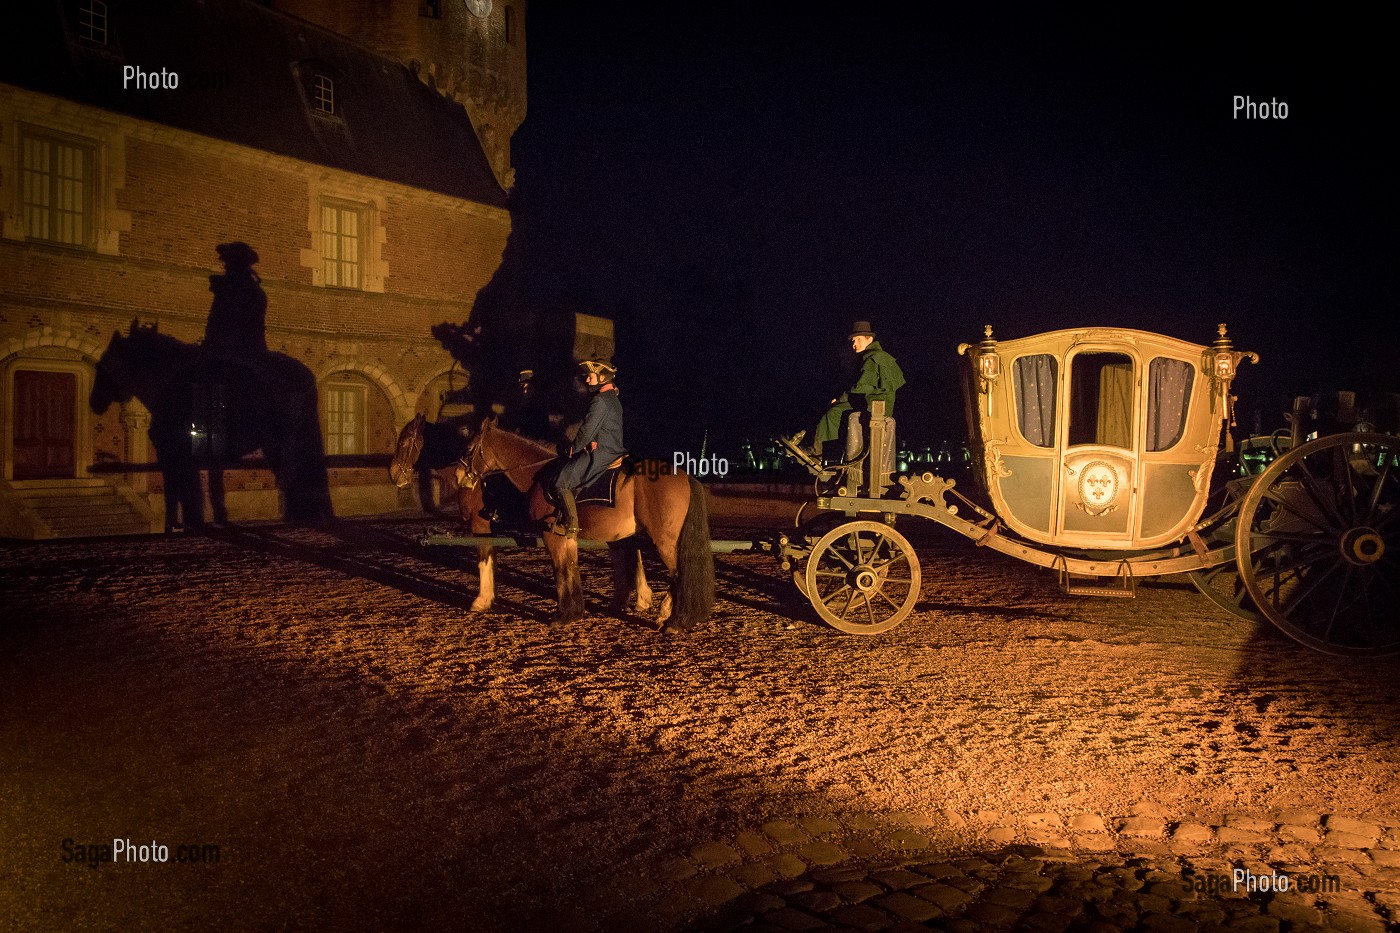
1101	400
1168	398
1035	379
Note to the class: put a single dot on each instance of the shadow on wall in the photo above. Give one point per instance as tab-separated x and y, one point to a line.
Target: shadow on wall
215	403
519	353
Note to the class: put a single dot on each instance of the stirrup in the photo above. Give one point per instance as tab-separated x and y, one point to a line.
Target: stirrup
565	518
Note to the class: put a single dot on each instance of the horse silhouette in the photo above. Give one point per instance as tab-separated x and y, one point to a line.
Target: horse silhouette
208	410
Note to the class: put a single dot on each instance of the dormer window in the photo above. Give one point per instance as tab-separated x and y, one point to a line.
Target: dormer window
92	21
323	94
317	81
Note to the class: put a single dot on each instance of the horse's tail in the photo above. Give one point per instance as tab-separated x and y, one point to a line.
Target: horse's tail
695	564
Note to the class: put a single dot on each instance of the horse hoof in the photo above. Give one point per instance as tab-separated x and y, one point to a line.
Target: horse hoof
480	606
671	628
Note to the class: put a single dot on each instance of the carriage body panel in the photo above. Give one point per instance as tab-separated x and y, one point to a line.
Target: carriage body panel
1099	438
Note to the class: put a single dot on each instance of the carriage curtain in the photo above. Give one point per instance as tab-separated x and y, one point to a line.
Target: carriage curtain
1115	427
1035	386
1168	397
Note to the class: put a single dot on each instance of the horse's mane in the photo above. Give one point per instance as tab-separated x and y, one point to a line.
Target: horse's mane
150	338
517	445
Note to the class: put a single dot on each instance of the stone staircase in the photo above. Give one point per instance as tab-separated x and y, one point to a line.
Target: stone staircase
76	508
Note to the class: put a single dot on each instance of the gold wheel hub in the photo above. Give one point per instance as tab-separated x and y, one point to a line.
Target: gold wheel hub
1362	546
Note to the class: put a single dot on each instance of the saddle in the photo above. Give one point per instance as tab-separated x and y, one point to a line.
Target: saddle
600	491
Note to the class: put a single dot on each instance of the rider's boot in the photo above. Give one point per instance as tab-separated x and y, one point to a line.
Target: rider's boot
570	510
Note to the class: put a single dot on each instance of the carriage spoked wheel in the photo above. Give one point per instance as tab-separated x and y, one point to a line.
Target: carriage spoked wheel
863	578
1221	584
1318	544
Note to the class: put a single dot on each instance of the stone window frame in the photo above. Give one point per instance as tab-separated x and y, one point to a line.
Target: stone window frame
106	144
53	179
324	191
338	270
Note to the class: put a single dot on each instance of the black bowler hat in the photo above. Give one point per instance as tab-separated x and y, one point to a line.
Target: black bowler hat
862	329
236	254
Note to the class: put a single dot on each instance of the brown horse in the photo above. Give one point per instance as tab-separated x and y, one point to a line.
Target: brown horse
668	506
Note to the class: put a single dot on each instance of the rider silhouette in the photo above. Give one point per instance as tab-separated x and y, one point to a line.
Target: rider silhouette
237	325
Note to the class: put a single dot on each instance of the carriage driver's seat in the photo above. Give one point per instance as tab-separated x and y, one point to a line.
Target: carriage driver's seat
877	470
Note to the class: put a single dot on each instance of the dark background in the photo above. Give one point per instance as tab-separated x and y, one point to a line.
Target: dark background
735	185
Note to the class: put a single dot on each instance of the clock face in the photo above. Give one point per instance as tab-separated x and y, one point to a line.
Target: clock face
479	7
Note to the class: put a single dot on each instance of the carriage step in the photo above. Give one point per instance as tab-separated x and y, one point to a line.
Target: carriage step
1119	591
1124	588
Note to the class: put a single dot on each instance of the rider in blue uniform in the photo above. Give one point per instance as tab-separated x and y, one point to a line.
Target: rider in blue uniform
598	442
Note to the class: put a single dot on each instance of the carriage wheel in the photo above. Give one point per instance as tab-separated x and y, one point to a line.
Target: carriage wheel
1222	585
1318	544
863	578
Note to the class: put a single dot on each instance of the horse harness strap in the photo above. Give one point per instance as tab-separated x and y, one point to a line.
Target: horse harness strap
469	477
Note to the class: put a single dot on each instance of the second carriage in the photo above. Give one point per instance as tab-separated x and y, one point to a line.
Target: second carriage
1106	456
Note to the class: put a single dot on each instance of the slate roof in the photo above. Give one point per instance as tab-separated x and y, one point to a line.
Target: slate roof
240	81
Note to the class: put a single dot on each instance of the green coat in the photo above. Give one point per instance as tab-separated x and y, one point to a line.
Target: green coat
880	378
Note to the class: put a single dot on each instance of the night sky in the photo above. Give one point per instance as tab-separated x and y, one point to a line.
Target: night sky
736	185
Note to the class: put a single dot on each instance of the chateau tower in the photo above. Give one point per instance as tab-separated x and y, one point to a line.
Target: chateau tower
472	51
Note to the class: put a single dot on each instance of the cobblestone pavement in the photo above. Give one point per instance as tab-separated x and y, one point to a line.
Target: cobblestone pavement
1147	870
368	755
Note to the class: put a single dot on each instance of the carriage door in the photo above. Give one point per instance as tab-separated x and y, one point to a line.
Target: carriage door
1098	466
44	424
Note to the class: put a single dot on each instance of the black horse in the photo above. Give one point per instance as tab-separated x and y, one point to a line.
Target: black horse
208	410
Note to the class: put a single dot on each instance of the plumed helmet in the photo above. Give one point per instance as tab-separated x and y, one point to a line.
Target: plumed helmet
601	367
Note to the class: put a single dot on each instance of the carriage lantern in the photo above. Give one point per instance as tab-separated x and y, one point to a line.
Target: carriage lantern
1224	361
988	361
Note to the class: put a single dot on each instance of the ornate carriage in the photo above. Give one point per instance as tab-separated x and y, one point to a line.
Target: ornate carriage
1105	455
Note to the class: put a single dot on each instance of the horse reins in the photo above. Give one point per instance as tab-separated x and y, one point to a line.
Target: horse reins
469	476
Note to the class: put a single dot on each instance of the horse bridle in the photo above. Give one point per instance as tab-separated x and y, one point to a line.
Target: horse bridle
410	453
468	476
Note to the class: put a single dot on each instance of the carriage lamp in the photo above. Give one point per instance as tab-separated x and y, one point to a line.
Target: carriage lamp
988	361
1223	356
1224	361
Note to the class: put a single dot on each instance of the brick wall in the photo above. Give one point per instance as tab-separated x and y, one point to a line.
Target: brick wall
184	194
